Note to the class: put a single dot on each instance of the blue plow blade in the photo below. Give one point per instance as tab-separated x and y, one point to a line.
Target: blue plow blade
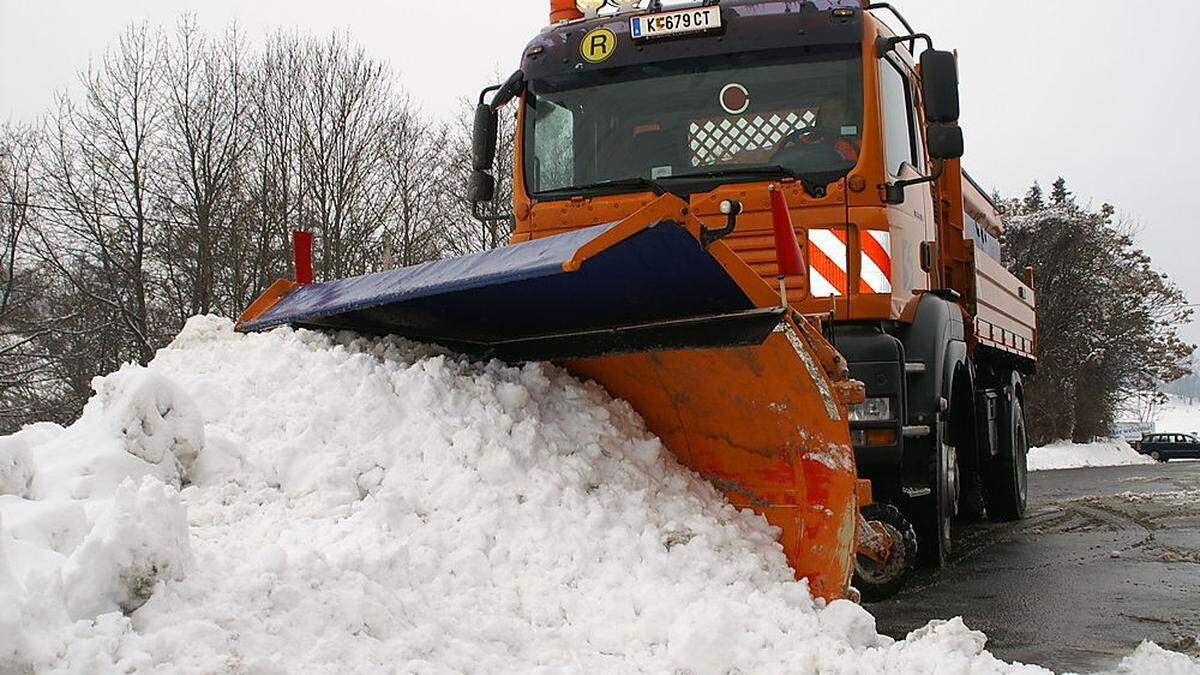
655	290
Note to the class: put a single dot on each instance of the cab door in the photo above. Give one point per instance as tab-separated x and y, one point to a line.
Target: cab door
911	222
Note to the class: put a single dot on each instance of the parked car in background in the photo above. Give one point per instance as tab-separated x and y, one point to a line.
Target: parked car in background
1166	447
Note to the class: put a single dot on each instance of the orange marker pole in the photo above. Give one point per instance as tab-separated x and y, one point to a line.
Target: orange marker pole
787	248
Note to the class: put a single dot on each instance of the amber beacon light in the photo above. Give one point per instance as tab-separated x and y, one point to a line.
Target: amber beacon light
564	10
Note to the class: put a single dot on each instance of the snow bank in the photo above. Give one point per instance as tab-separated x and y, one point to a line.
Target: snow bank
1066	455
372	506
1152	659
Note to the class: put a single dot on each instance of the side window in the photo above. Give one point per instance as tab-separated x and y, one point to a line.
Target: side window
554	143
915	129
897	116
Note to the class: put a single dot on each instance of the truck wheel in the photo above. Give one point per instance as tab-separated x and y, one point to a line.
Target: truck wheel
937	512
878	582
1007	481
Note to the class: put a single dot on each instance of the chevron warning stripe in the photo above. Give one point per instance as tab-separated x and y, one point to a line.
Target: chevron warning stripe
828	259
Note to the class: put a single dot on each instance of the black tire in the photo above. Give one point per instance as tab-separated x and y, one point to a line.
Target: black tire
878	583
934	515
1157	456
1006	484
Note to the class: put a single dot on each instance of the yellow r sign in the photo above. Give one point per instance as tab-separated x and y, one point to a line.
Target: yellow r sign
598	45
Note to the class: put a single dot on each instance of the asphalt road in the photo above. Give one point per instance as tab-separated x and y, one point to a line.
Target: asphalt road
1106	559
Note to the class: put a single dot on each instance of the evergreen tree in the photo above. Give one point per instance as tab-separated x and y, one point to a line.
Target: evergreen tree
1034	199
1108	321
1059	194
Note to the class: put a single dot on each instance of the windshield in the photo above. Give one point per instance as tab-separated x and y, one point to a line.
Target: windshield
738	116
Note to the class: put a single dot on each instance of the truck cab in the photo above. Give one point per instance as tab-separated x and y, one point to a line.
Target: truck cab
721	102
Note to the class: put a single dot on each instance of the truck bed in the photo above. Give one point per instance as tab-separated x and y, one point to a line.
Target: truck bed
1005	306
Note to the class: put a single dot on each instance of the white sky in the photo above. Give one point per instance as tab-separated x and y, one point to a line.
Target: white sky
1104	92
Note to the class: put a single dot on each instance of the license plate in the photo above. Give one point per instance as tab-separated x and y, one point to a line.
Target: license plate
696	20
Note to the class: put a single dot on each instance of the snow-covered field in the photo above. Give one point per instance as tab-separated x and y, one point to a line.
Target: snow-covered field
1066	455
1178	417
299	503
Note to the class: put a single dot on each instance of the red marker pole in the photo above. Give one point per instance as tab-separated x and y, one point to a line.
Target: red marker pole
787	248
302	251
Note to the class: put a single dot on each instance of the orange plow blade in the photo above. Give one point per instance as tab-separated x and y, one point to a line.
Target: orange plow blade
763	425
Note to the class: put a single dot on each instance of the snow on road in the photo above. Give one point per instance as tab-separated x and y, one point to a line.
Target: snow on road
1066	455
300	503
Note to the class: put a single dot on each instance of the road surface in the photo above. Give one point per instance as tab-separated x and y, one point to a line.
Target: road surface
1105	559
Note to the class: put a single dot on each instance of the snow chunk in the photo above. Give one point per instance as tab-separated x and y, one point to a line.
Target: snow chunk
1066	455
141	541
1150	659
16	467
138	424
12	602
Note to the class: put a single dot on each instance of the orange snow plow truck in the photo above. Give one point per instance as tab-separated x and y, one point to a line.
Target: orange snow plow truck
748	219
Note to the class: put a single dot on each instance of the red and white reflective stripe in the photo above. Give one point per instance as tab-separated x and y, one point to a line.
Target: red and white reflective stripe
827	255
827	277
876	273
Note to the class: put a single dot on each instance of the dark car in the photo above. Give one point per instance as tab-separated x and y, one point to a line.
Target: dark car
1166	447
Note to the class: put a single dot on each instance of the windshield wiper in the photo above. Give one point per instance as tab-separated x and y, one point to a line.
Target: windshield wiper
733	171
636	183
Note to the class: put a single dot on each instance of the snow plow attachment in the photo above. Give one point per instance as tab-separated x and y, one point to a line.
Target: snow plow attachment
740	389
591	292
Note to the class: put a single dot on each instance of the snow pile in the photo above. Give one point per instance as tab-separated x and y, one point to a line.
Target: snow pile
1066	455
1152	659
355	505
91	521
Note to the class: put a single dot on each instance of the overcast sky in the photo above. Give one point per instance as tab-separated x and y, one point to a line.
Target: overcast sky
1104	92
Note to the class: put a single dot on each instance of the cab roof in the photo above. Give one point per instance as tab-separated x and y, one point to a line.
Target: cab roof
748	25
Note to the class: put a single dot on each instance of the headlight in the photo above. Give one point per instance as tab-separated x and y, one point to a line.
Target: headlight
872	410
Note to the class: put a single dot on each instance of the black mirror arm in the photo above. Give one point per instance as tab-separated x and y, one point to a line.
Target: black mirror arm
895	191
487	90
884	45
485	218
907	26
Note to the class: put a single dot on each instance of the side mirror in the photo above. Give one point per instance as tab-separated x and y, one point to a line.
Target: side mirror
482	188
511	89
945	142
939	86
483	137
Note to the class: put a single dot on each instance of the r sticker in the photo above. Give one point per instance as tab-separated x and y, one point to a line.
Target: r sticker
598	45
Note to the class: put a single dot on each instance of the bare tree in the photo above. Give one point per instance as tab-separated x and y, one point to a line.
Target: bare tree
416	173
205	140
100	163
345	110
17	151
